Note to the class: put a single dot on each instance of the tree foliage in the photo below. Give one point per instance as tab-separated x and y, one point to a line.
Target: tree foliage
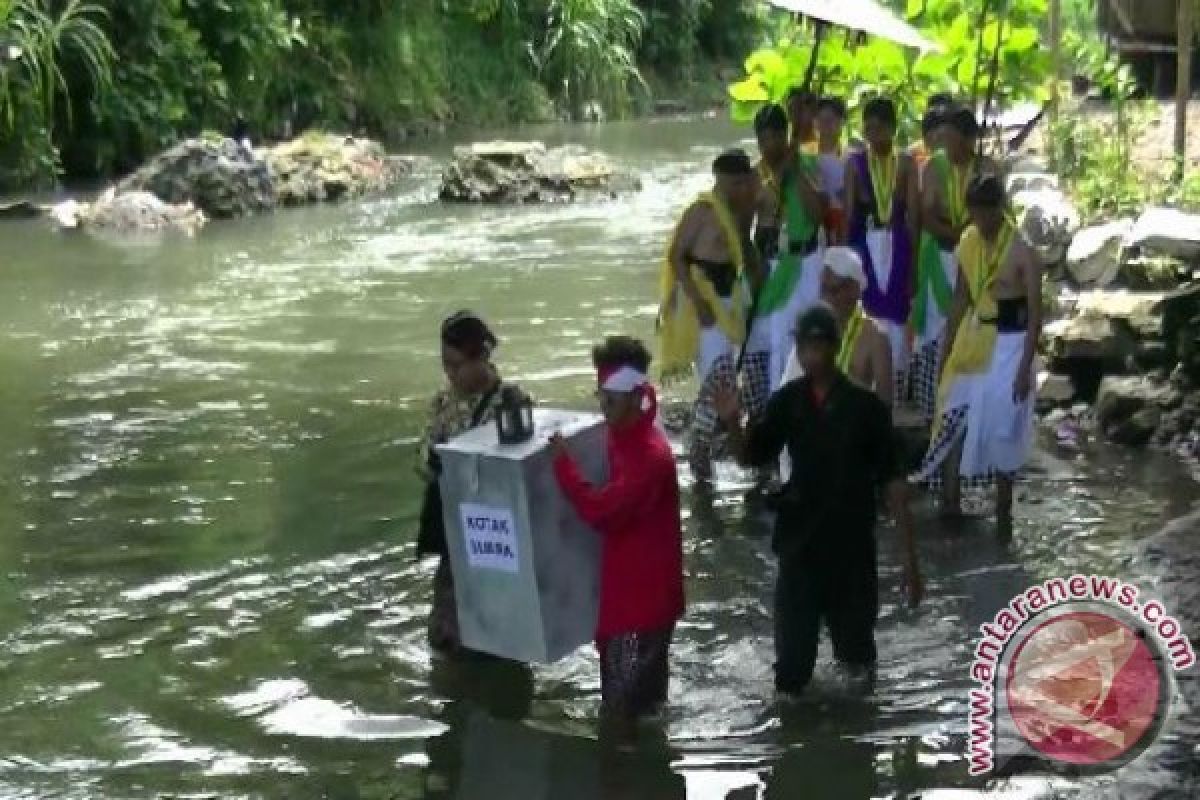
102	84
50	57
858	67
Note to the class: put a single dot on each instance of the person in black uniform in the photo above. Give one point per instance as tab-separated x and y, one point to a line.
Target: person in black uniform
841	442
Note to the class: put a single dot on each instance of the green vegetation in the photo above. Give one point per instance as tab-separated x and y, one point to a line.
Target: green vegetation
92	87
1097	151
1093	153
1008	36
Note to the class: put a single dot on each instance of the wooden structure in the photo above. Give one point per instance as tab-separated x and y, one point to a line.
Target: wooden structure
1146	34
1137	26
1183	85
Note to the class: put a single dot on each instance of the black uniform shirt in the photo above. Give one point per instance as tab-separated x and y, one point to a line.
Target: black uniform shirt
842	451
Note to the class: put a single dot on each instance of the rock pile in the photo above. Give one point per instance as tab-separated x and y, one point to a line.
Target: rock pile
322	167
527	172
1138	355
129	212
1124	362
1046	215
221	177
1151	252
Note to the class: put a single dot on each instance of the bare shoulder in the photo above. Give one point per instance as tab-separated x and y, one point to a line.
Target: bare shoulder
1023	253
876	334
696	214
696	218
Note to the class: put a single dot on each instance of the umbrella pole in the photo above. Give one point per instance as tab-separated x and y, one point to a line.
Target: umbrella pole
994	78
818	39
982	24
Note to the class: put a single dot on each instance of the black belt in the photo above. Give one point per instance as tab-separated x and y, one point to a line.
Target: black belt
721	276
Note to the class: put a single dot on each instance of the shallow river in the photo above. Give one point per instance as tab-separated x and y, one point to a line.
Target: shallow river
207	584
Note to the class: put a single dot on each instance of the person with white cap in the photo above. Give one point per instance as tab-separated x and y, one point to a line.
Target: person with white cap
865	354
637	514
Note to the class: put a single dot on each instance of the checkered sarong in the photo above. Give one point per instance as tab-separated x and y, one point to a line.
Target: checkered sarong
756	384
951	433
754	391
923	378
634	673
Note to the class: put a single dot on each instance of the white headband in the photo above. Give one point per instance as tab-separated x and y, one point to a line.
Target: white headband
845	263
625	379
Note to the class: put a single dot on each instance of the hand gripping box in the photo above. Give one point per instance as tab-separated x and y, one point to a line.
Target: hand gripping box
526	568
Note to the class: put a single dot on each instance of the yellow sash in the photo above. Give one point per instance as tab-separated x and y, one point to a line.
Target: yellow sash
883	181
976	338
678	326
767	176
850	336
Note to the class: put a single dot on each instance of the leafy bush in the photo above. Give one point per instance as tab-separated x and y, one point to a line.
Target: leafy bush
858	70
106	83
49	52
1092	155
587	54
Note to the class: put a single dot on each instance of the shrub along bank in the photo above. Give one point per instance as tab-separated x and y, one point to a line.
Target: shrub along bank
94	87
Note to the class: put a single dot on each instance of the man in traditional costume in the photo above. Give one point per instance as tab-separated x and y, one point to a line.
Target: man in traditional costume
984	428
792	209
802	111
831	153
943	220
933	125
864	353
710	274
882	197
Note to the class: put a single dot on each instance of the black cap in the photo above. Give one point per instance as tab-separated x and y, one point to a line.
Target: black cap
817	325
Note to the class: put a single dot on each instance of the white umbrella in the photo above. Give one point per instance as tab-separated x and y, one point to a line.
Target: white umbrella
867	16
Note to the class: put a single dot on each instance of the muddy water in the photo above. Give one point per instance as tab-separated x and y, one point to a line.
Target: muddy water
206	523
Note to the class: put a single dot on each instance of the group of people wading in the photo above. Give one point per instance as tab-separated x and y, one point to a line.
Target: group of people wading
810	294
937	297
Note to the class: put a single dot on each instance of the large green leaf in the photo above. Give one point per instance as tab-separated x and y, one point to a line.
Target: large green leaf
767	62
750	90
1021	39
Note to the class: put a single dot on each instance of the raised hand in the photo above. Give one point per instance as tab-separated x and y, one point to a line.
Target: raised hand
727	404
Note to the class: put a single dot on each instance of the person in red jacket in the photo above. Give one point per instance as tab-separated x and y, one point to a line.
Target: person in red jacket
637	514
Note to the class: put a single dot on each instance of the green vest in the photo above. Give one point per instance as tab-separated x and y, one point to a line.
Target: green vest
931	277
801	228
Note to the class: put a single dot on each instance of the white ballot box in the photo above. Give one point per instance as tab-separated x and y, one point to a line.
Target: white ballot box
526	568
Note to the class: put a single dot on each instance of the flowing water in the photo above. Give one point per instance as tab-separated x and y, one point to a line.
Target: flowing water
207	513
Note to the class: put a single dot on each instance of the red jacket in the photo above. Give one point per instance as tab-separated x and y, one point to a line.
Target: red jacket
637	514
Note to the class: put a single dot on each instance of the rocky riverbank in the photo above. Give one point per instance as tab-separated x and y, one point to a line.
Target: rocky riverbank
198	180
218	178
1122	347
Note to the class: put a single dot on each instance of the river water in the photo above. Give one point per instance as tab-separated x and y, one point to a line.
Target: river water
207	511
